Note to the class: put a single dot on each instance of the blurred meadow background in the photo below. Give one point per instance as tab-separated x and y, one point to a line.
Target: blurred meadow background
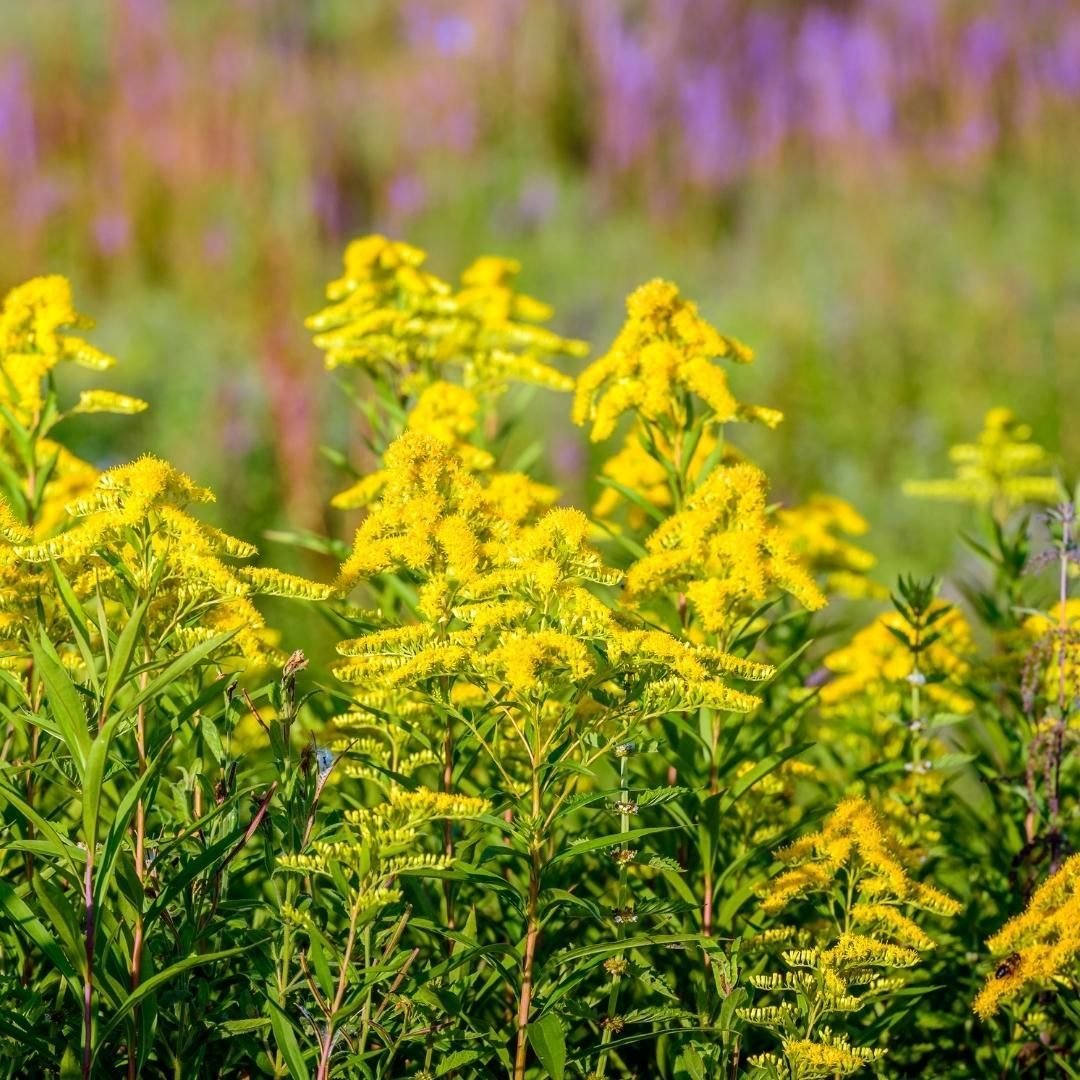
881	197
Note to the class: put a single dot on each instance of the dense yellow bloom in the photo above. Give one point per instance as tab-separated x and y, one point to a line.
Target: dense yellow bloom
872	670
389	316
818	532
663	356
1041	945
504	603
854	839
432	516
133	531
723	552
1003	468
531	663
35	323
36	320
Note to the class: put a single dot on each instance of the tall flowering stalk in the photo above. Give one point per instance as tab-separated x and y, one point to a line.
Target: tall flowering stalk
852	872
709	554
539	673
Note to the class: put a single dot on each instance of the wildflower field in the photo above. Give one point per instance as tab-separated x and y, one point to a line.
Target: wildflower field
566	724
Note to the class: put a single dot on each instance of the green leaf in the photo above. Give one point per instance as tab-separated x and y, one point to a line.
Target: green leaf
239	1027
122	654
690	1065
29	924
635	497
548	1041
180	666
65	704
285	1037
609	841
150	986
77	618
42	824
94	777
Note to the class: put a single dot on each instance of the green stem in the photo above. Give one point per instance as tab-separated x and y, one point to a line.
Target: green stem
620	928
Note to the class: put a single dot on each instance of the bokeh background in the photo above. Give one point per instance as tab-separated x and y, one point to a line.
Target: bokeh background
882	197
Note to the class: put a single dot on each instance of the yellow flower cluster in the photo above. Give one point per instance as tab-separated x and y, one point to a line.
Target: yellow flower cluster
133	533
871	671
827	1055
663	360
1039	947
818	530
855	842
391	317
36	323
1002	469
433	516
504	603
723	552
854	863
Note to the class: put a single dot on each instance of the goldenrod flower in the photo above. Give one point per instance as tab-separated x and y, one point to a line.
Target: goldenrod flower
1003	468
872	670
723	552
1040	946
853	864
664	352
854	839
817	532
390	316
133	531
105	401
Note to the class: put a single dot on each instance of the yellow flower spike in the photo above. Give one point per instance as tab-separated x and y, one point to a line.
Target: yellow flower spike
266	581
852	866
11	529
1002	469
854	835
105	401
